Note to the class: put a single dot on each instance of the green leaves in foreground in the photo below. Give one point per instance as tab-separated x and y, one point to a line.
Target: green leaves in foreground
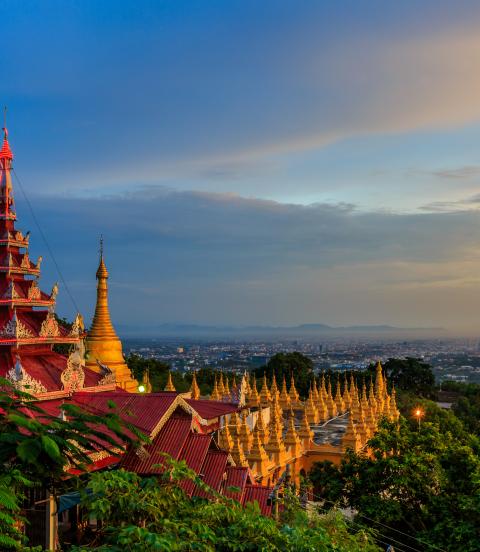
155	514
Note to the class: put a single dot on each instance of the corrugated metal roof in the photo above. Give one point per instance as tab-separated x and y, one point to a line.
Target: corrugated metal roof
171	440
212	471
142	410
236	477
208	410
256	493
194	452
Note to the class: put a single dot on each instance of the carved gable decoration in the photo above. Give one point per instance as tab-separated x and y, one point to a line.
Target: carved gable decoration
73	377
23	381
25	261
15	329
108	379
50	327
77	326
11	292
34	290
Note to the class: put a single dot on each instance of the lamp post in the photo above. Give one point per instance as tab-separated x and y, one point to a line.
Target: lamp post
418	413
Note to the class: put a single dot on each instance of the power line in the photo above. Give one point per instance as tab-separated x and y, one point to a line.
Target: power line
389	527
49	249
390	539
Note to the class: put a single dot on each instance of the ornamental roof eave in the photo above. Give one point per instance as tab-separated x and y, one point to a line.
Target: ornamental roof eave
37	340
25	302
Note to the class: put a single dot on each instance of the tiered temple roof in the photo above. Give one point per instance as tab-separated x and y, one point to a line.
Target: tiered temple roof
29	327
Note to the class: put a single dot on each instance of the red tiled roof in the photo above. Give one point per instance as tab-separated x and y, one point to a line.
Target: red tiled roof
259	494
212	471
142	410
171	440
237	476
194	452
211	409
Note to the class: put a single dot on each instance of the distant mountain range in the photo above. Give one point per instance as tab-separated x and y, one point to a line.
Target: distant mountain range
302	330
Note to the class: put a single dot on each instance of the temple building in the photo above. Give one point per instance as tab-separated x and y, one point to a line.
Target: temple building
241	437
29	327
103	346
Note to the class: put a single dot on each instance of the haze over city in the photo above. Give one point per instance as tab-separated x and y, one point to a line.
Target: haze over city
252	164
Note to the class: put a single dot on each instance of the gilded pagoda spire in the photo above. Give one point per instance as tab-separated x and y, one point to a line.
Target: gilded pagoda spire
104	347
238	453
253	398
245	434
194	389
294	397
274	393
285	400
169	386
265	397
215	395
292	441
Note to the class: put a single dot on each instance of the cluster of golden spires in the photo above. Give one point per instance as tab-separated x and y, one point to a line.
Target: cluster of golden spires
281	441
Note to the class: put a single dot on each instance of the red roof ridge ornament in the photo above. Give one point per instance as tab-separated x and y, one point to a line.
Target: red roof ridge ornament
5	152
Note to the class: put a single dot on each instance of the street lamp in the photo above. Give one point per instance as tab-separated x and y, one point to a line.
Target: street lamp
418	413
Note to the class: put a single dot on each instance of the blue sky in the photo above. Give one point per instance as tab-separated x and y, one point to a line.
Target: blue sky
252	162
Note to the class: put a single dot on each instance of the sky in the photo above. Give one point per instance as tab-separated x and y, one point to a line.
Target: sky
276	162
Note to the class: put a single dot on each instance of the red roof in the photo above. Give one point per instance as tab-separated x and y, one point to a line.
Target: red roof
170	440
208	410
237	476
256	493
142	410
194	452
44	365
212	471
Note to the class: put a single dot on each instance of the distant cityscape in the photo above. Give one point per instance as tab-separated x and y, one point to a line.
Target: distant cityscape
451	359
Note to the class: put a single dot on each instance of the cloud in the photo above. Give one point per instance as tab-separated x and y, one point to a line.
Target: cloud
205	257
199	101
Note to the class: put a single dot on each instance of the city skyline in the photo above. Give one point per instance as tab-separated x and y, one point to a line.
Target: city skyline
276	164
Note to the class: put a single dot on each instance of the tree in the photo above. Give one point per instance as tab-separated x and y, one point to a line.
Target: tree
163	517
286	365
411	374
36	448
424	482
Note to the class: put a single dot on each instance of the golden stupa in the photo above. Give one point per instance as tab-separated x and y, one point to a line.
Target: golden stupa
103	346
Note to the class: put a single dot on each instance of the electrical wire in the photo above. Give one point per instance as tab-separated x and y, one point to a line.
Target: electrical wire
388	537
388	527
49	249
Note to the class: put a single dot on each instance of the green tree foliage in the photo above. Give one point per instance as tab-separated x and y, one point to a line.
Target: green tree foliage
36	447
158	373
411	374
163	518
286	364
424	482
467	403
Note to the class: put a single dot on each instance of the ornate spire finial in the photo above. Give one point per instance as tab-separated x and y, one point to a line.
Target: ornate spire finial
101	246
